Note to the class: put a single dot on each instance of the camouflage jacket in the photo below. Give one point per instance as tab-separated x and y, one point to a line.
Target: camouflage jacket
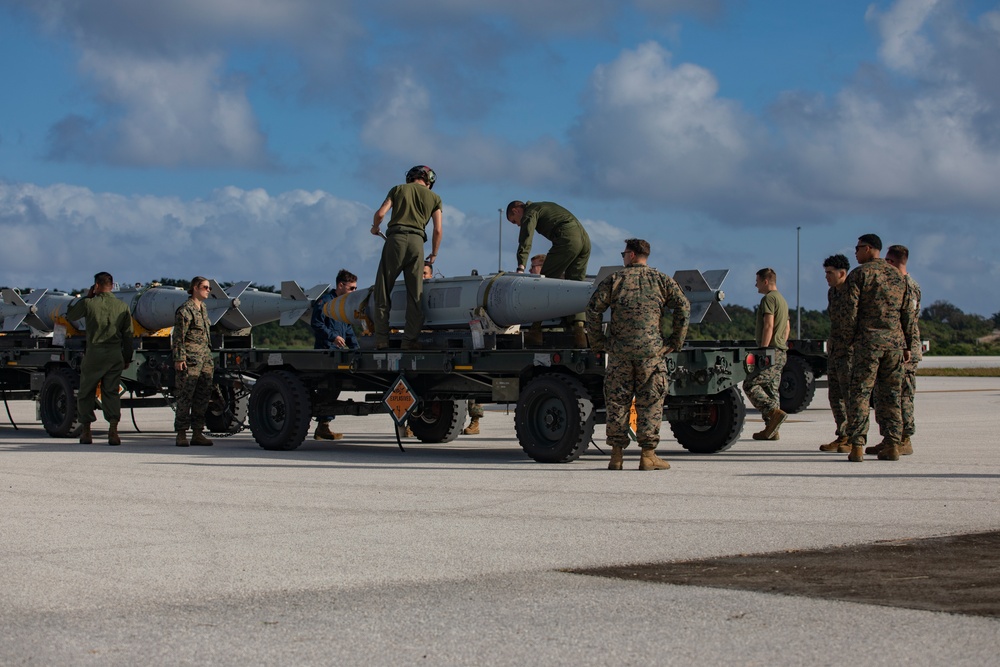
191	332
877	310
839	342
639	297
913	298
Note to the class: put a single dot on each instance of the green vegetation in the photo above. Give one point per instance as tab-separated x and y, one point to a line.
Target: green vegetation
959	372
950	331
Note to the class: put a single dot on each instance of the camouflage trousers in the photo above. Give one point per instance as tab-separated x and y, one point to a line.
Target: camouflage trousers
475	410
102	366
881	372
907	391
193	389
838	373
646	381
763	390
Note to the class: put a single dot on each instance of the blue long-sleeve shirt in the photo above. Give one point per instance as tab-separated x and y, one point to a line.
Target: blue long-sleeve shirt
326	329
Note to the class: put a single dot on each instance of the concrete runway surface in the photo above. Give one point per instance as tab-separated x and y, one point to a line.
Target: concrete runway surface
355	553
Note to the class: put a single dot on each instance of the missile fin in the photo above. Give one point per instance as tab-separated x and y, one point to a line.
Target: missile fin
12	322
717	314
12	298
699	310
236	290
691	280
604	272
217	292
291	290
316	291
232	319
715	278
289	317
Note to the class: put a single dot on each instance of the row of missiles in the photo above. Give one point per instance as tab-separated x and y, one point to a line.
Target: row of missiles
501	300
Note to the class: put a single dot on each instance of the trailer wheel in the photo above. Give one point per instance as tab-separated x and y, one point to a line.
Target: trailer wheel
716	426
554	419
279	411
227	411
57	402
798	385
440	421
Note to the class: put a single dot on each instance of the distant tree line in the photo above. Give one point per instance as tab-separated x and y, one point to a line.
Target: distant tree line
950	331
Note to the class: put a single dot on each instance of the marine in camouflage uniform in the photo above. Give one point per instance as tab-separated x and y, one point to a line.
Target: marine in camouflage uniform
838	349
639	297
194	368
898	255
881	320
109	351
763	390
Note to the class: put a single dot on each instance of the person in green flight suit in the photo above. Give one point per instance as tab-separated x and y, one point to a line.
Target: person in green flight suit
413	206
567	259
109	352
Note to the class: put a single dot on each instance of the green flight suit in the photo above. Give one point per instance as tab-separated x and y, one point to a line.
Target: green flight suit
403	252
109	350
570	242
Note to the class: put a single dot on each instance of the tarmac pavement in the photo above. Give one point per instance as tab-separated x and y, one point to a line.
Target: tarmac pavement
353	551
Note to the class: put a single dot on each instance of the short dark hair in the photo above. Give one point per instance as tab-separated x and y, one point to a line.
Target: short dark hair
900	253
638	246
197	280
514	204
837	262
871	239
103	279
767	273
345	276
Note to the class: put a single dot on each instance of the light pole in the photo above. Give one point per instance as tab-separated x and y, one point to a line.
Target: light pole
499	239
798	306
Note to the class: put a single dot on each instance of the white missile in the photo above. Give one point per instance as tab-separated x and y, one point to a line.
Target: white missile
508	299
236	307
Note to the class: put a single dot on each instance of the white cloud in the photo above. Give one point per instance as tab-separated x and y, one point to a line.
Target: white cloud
172	113
659	131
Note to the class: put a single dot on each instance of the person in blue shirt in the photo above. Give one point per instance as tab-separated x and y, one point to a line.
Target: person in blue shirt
332	335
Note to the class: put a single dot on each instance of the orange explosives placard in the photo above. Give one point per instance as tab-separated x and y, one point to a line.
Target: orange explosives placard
400	400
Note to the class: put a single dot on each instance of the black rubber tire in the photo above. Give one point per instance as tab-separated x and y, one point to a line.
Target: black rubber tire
718	427
57	403
439	421
798	385
554	419
229	418
279	411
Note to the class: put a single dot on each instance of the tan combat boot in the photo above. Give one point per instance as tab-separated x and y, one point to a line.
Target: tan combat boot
774	422
113	438
323	432
888	453
580	340
182	438
839	445
472	428
198	438
86	438
857	454
875	449
533	336
616	457
906	447
650	461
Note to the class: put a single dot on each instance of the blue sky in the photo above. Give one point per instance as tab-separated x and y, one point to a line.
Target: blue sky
252	140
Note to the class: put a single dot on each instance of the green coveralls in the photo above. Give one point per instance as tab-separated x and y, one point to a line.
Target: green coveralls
403	252
570	243
109	350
